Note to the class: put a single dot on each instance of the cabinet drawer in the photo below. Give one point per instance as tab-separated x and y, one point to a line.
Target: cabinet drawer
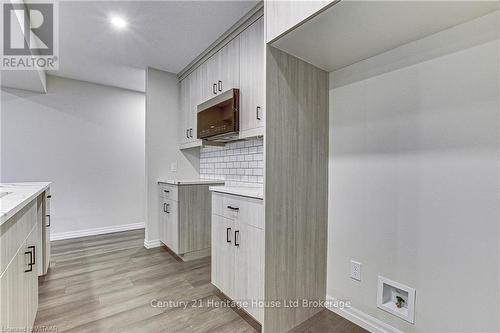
237	208
168	191
245	210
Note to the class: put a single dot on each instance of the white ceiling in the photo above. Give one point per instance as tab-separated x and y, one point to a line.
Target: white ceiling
166	35
351	31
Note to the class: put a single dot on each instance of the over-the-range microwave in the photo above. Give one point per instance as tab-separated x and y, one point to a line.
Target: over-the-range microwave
218	118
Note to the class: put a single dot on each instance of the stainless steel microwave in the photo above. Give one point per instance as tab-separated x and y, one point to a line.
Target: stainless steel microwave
218	119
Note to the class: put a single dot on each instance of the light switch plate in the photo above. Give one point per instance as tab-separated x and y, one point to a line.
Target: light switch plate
173	167
355	270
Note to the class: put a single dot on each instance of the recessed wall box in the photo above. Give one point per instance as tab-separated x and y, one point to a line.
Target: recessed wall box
388	294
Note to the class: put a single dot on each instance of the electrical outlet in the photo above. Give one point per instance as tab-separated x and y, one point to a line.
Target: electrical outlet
355	270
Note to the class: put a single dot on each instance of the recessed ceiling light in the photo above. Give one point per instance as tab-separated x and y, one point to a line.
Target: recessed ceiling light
118	22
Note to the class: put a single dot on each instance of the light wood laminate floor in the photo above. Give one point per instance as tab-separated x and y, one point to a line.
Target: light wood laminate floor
106	283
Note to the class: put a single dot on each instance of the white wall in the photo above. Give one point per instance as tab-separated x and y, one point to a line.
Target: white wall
162	143
414	186
88	140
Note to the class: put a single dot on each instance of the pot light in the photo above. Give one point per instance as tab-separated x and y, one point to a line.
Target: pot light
118	22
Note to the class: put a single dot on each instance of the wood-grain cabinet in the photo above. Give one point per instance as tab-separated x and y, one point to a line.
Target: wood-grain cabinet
252	80
282	16
25	254
239	64
185	219
238	250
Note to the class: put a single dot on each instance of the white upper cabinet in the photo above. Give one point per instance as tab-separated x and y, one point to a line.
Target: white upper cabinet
228	71
239	64
184	121
282	16
252	78
195	97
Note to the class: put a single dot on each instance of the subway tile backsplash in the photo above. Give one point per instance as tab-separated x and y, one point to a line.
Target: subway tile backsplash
238	163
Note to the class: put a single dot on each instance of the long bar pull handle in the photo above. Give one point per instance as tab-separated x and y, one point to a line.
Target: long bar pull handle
164	207
30	263
228	235
219	85
48	218
236	233
214	88
187	133
191	132
167	209
257	111
34	254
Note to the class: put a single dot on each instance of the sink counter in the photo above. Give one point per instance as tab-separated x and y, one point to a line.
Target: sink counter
14	196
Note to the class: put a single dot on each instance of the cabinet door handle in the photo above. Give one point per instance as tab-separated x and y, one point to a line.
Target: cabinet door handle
214	88
191	132
233	208
48	218
34	254
49	196
187	133
219	85
228	233
236	233
30	263
166	191
257	113
166	208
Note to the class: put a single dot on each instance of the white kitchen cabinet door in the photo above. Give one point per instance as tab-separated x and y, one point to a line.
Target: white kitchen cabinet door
196	96
229	66
185	102
212	76
46	232
13	292
172	225
252	76
163	229
249	273
31	278
223	261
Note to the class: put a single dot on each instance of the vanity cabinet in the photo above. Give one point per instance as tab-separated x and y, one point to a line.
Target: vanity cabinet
184	223
238	249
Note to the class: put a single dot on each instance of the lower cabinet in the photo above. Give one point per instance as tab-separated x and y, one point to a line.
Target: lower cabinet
238	250
19	287
185	212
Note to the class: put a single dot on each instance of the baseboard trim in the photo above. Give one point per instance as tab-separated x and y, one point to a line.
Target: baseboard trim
150	244
360	318
95	231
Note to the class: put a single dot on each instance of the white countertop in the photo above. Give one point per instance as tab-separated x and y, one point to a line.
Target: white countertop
18	195
190	181
245	191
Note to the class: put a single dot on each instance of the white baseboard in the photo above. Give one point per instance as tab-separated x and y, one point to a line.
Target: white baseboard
95	231
362	319
149	244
